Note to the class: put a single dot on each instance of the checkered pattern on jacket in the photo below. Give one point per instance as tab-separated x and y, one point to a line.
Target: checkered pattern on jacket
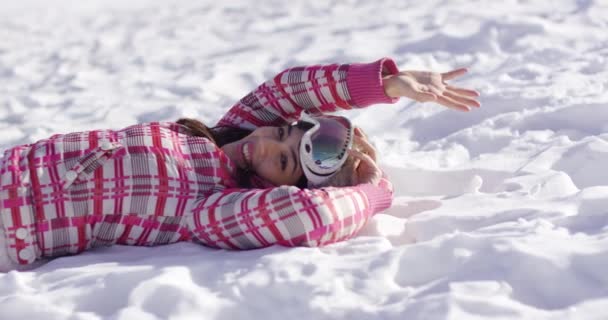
151	184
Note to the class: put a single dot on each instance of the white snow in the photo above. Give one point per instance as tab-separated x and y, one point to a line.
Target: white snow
500	213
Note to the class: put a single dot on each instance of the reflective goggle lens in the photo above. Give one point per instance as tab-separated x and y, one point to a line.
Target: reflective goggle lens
330	142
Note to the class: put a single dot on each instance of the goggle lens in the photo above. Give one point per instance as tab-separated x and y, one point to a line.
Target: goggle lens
330	142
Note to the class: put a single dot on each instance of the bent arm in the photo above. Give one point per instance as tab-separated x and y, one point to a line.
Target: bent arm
315	89
286	215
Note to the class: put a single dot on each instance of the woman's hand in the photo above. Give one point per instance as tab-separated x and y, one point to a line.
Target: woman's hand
365	168
424	86
363	144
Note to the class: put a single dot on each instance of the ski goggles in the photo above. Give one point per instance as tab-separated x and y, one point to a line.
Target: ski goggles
324	145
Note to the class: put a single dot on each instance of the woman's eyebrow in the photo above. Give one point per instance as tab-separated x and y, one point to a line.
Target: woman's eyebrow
293	153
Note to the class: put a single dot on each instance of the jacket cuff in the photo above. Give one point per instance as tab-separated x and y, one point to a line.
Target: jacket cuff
379	198
364	82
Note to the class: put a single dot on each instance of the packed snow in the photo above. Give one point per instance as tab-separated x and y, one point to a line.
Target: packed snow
499	213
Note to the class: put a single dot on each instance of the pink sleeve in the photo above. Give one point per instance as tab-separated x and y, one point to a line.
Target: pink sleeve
316	89
286	215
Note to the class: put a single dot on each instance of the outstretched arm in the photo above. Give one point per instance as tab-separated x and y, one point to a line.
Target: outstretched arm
316	89
286	215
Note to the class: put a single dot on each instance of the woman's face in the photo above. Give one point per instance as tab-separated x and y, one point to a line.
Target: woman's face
273	153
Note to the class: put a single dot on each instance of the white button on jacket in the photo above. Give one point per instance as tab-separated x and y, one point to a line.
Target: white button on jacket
26	254
21	233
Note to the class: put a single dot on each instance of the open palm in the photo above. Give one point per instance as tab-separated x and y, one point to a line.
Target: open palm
425	86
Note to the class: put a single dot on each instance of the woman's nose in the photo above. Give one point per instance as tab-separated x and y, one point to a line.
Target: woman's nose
267	148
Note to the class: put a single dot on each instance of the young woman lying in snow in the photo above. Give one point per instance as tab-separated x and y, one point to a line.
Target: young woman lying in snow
267	173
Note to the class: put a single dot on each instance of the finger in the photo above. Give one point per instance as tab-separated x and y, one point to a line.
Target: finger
462	99
362	143
450	103
359	132
365	159
367	147
364	168
366	171
454	73
356	164
463	91
435	90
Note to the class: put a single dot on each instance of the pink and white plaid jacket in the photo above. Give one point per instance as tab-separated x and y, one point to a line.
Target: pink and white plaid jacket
152	184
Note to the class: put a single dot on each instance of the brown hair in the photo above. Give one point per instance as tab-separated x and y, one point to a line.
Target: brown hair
220	135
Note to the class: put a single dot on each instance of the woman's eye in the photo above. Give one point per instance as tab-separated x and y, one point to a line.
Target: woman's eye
281	133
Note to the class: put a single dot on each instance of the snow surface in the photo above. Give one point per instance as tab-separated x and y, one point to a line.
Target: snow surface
500	213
